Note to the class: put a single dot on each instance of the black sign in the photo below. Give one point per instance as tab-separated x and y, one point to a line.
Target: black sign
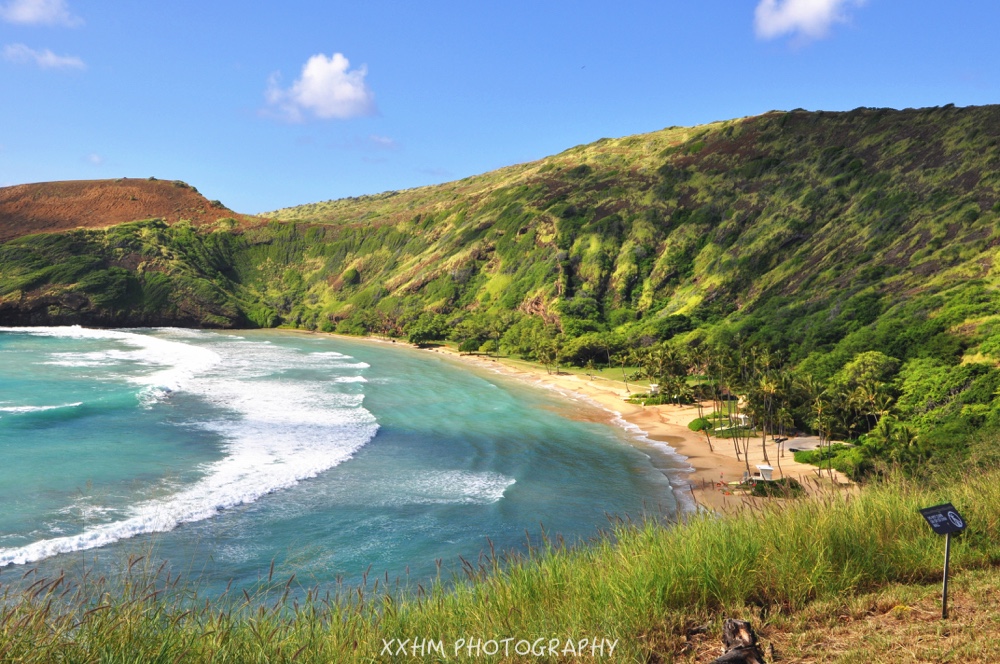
944	519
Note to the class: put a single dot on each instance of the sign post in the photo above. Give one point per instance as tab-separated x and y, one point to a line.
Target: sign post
944	520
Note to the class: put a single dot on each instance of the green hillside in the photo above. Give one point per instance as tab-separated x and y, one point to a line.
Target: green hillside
835	241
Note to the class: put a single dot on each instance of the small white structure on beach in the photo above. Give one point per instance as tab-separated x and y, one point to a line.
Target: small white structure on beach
765	472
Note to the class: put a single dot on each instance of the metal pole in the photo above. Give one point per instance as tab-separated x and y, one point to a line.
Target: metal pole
944	589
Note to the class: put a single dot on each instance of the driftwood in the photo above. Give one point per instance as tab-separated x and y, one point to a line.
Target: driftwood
740	644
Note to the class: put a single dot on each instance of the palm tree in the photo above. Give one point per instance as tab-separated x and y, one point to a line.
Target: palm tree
727	367
682	391
547	355
908	449
644	358
876	402
784	420
768	392
879	441
820	409
714	371
882	406
699	365
623	358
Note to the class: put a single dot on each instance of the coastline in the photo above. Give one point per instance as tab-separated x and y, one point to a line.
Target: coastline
707	484
660	425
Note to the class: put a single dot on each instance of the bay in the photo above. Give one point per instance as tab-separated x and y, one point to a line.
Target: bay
223	453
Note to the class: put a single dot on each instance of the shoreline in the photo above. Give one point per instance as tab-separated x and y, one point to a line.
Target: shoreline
696	490
661	425
711	470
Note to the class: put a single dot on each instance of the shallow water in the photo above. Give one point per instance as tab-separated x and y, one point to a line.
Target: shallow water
223	452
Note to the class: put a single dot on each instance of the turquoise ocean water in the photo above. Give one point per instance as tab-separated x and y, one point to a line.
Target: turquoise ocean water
223	452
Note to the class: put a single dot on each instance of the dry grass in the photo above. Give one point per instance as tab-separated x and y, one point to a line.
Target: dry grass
899	623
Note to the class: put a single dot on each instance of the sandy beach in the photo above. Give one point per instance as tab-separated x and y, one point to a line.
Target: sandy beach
712	469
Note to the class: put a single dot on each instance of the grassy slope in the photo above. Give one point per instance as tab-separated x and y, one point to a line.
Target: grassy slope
818	211
794	227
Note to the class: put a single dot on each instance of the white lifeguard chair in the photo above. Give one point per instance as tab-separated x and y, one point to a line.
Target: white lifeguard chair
765	472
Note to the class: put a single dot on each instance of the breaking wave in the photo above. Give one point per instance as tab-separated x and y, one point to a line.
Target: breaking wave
275	433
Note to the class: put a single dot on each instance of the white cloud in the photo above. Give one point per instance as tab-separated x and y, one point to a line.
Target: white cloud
326	89
95	159
369	143
45	59
809	19
39	12
383	142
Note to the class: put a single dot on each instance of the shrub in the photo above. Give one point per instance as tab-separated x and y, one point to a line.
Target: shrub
469	346
786	487
351	276
427	327
700	424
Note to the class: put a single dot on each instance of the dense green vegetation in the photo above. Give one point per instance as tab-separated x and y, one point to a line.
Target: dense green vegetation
854	251
641	585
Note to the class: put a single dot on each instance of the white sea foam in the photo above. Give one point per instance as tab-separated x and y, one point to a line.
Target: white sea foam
275	433
346	365
175	362
37	409
94	359
84	508
450	487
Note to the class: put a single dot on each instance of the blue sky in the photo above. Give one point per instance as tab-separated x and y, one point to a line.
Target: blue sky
265	106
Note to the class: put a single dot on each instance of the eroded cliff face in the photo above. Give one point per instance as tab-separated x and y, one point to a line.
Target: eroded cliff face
52	307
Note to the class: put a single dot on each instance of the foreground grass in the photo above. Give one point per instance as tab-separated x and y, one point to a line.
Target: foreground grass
804	571
900	622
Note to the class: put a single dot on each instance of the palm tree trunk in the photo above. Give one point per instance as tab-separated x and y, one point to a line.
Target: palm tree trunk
746	453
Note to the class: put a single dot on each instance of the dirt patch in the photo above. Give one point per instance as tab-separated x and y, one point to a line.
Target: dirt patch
51	207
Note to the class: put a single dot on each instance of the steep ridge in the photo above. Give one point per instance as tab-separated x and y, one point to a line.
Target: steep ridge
703	222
